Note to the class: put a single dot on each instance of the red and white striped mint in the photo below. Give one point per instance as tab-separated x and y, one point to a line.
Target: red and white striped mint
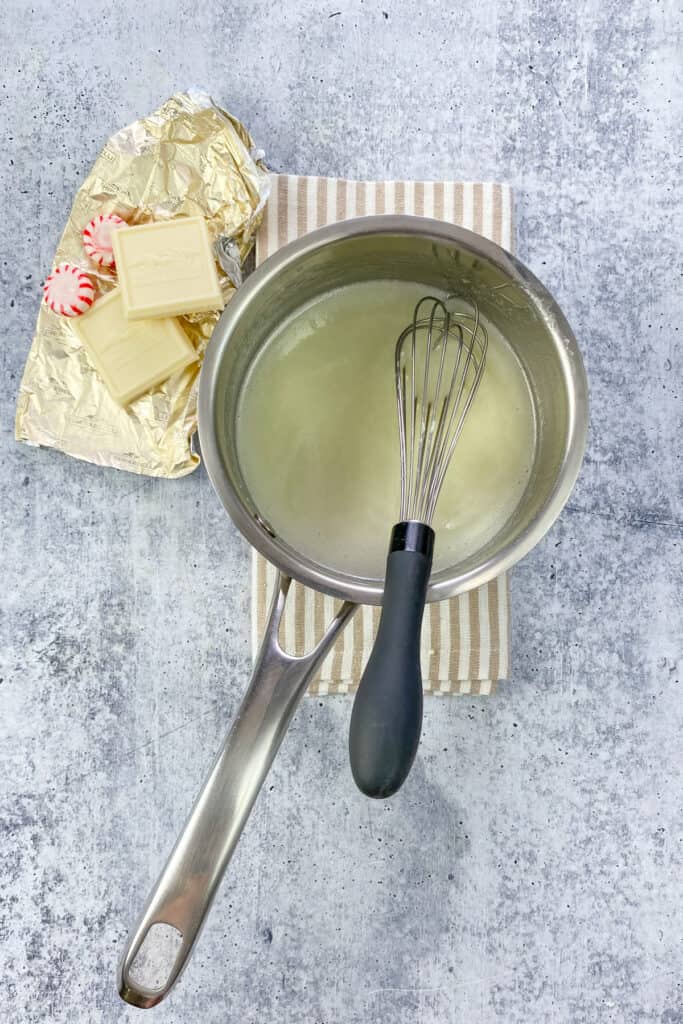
68	291
97	238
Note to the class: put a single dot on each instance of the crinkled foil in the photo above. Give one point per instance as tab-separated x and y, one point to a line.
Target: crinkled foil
188	158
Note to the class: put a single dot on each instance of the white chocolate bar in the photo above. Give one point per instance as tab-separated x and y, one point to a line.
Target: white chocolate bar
131	356
166	268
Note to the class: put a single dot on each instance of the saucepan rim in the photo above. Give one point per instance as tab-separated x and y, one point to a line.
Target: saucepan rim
443	585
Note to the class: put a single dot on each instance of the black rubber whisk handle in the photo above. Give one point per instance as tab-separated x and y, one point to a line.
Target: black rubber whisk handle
386	720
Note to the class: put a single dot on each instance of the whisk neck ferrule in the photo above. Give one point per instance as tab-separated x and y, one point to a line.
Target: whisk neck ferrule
412	535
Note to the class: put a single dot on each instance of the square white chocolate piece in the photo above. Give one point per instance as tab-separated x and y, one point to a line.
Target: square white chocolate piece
131	356
166	268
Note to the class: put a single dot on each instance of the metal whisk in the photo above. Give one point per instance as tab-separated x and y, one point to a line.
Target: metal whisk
439	362
440	359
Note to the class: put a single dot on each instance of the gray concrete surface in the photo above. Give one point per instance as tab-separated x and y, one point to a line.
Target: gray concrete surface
531	870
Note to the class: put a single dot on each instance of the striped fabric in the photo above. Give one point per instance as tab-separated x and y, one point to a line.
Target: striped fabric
466	640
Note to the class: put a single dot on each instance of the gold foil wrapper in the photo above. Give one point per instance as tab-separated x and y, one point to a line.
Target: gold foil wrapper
188	158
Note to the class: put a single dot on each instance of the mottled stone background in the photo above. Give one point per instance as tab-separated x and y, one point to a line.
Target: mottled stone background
531	871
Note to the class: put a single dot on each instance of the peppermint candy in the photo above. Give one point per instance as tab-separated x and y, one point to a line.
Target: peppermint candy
97	238
68	291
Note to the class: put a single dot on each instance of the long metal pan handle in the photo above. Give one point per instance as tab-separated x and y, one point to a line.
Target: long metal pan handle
187	885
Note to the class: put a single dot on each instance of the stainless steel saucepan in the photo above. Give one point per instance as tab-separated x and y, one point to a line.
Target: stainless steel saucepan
412	249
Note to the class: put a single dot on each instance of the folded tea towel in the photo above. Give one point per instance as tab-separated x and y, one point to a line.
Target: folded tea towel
465	640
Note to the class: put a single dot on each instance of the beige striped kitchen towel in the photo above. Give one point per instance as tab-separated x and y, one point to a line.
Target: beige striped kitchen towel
466	640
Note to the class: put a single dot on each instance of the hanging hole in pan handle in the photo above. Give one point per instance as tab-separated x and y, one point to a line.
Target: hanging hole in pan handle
152	965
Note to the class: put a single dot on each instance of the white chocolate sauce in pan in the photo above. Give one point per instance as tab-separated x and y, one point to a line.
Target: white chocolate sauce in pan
317	435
